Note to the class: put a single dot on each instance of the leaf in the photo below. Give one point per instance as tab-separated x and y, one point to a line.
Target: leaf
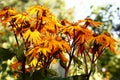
20	53
4	67
78	61
51	72
6	54
40	74
80	77
76	77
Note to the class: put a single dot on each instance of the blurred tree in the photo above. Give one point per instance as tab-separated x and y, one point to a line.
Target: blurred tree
57	7
110	15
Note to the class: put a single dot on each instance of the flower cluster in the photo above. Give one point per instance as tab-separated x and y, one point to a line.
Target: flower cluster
46	38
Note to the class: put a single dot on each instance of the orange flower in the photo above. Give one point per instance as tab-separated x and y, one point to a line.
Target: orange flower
49	46
79	34
21	18
15	65
56	43
70	30
105	41
83	36
5	15
33	36
39	10
7	12
50	24
35	9
90	22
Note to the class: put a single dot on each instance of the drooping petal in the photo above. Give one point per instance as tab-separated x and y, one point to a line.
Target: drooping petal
34	62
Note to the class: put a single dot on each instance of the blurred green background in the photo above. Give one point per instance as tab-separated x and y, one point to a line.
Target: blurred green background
108	64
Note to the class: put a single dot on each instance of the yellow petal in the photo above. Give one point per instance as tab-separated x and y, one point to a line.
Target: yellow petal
45	51
34	62
26	34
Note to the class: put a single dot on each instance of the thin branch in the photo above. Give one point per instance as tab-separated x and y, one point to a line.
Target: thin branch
13	25
99	55
88	55
85	61
91	69
71	56
23	68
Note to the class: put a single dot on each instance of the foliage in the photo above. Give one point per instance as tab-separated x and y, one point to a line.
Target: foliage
44	39
108	14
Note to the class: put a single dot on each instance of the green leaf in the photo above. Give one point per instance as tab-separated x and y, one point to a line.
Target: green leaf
44	74
4	66
77	77
5	54
77	61
60	78
39	74
80	77
51	72
20	53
